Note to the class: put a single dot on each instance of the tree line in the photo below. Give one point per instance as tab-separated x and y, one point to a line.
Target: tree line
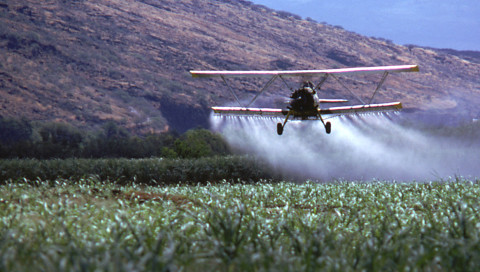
21	138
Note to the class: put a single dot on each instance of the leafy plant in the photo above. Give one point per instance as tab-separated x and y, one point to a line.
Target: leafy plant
90	224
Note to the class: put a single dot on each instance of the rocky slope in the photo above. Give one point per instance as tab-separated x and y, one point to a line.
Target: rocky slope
88	61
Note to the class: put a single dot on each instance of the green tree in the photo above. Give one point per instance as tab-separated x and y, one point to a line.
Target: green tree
15	137
59	140
113	141
198	143
13	130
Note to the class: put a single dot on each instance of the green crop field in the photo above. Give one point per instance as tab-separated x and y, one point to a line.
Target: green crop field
91	225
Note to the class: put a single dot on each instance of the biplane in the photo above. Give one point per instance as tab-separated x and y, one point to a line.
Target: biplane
304	103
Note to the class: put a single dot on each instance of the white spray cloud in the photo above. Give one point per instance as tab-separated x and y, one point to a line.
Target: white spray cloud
370	146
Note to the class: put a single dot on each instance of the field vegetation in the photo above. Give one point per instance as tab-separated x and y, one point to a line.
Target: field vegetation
90	224
148	171
72	200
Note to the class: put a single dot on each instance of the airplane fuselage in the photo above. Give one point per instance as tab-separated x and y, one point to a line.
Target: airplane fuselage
303	103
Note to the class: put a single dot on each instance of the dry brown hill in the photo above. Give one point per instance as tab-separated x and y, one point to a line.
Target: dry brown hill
88	61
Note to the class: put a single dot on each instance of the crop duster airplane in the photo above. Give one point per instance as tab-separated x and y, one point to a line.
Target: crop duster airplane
304	103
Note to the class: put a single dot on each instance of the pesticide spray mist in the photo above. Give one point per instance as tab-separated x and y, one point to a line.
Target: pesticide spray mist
360	147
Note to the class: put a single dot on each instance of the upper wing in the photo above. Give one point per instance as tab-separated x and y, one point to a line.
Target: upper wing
342	71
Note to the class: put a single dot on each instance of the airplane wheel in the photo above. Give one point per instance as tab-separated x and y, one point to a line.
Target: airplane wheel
279	128
328	127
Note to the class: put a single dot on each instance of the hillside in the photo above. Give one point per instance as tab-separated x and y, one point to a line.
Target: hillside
89	61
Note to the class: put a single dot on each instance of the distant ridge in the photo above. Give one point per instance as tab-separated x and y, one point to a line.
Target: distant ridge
473	56
89	61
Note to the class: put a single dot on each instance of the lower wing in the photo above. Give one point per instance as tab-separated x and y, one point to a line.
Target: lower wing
394	106
268	112
239	111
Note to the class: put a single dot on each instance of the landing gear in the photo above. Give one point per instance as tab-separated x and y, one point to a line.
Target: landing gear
279	129
280	126
328	127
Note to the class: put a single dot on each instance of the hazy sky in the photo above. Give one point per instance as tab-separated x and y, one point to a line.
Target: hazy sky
436	23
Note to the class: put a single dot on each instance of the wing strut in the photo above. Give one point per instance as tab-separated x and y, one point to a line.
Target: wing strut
385	74
341	83
319	85
270	82
233	93
286	84
263	89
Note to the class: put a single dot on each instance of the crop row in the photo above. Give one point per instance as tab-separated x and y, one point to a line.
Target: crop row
355	226
146	171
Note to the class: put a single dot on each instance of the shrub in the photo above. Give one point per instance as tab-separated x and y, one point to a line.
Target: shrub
145	171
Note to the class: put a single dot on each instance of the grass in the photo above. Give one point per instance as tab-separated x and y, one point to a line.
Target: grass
350	226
